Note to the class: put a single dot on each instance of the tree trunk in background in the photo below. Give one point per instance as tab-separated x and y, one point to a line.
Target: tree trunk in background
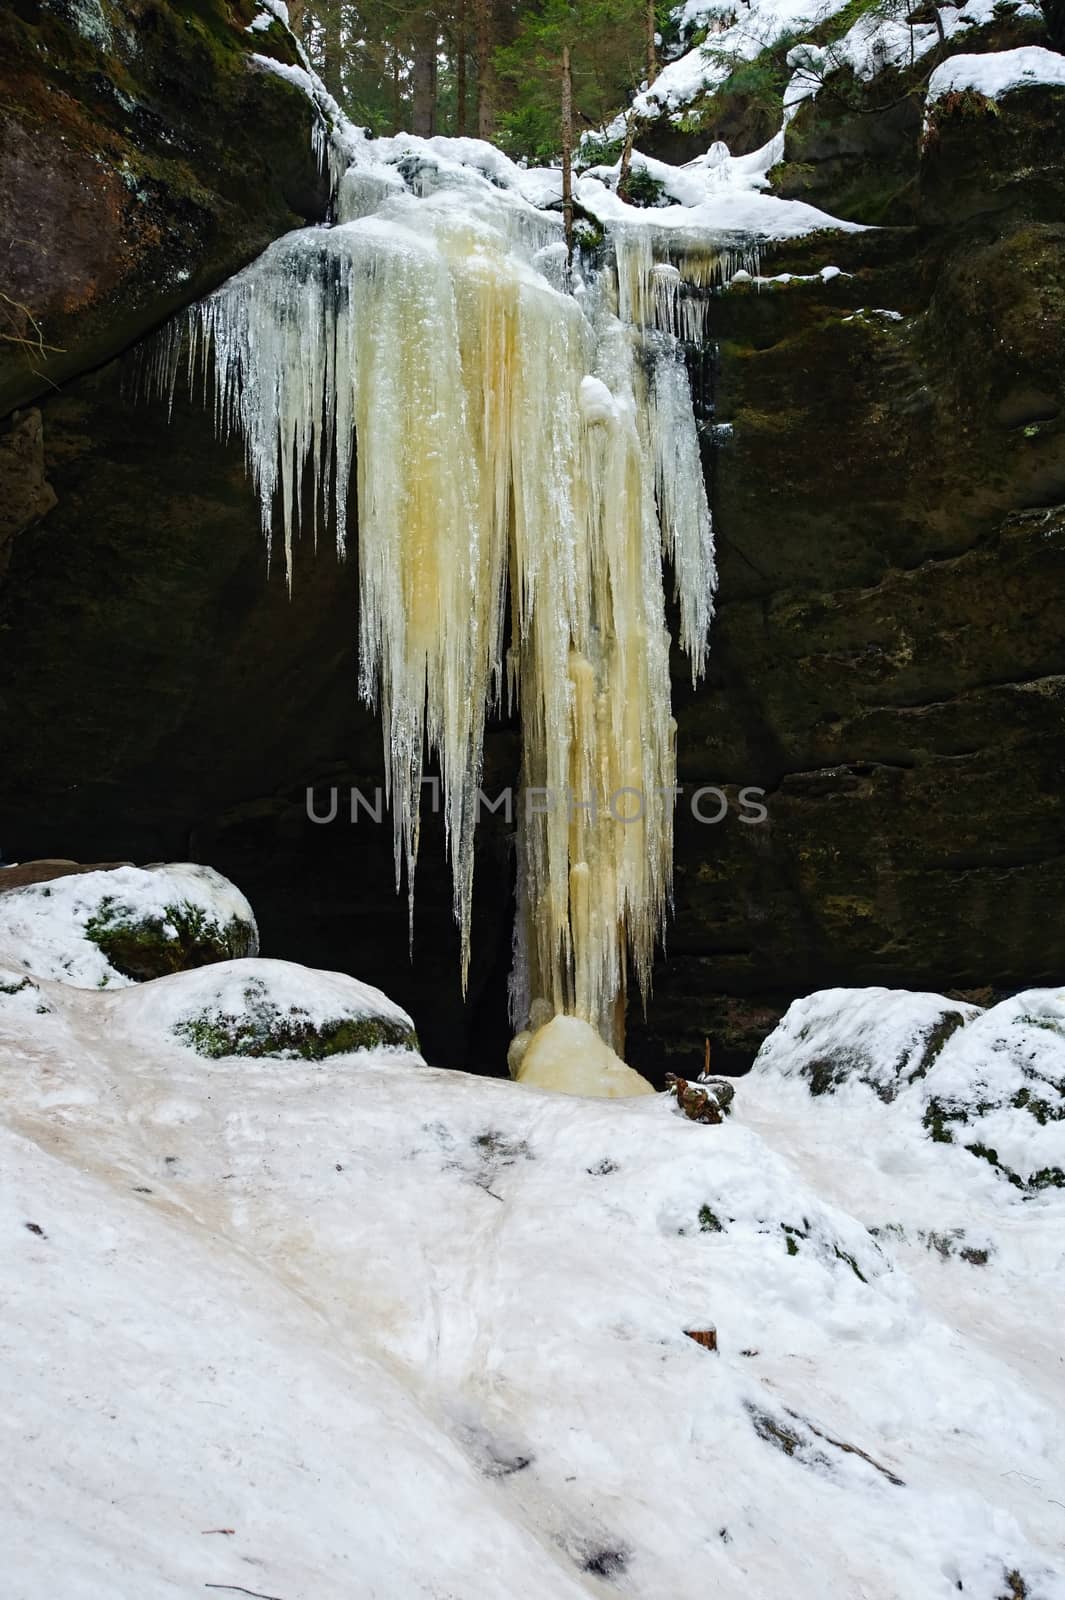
567	150
423	79
626	156
1054	17
331	46
397	91
484	20
460	68
652	48
296	8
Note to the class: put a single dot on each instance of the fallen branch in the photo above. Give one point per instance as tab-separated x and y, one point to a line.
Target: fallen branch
849	1449
237	1589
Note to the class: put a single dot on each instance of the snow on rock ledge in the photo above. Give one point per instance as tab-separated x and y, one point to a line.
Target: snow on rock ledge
998	1089
991	1083
997	73
885	1038
124	925
273	1009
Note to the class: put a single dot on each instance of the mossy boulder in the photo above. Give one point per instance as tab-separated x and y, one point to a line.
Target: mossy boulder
180	935
144	157
981	155
858	148
998	1090
273	1009
113	926
884	1039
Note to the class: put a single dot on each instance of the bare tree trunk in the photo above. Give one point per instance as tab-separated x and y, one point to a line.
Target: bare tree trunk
626	155
330	55
296	8
423	80
652	48
460	68
397	92
484	20
567	151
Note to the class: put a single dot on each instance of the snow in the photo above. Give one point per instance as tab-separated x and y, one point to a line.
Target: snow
878	1036
411	1333
42	925
250	987
1006	1070
991	1083
876	42
997	73
874	311
750	30
726	208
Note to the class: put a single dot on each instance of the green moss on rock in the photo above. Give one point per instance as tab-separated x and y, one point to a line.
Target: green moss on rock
184	936
265	1029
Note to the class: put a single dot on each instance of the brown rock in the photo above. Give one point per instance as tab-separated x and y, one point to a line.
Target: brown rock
25	493
45	871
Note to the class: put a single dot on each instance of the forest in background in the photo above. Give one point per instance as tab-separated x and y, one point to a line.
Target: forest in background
489	68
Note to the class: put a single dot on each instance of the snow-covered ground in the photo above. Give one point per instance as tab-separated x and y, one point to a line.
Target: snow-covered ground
717	195
363	1328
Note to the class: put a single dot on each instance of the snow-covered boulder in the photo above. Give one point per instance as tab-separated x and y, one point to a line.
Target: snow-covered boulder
998	1089
884	1038
997	72
271	1009
988	1082
123	925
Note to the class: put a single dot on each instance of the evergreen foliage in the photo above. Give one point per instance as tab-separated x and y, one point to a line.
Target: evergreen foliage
488	67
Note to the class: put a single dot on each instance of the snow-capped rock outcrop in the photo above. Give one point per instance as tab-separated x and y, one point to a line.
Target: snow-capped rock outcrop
122	925
273	1009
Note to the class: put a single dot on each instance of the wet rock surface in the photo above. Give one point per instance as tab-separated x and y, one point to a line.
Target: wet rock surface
143	159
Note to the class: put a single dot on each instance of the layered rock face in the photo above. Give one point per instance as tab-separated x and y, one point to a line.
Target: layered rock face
143	159
888	466
888	660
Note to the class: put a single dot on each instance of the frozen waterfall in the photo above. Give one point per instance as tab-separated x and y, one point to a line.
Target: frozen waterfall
526	466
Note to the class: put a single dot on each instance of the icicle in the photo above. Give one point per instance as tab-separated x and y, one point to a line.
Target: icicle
511	436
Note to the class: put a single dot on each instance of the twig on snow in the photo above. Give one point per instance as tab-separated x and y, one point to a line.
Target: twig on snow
237	1589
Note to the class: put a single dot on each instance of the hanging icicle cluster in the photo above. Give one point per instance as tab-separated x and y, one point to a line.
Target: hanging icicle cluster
517	434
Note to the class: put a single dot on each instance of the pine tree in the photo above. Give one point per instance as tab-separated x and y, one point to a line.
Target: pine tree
607	44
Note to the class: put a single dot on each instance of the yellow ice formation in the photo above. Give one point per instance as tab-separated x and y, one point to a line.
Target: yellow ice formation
520	434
